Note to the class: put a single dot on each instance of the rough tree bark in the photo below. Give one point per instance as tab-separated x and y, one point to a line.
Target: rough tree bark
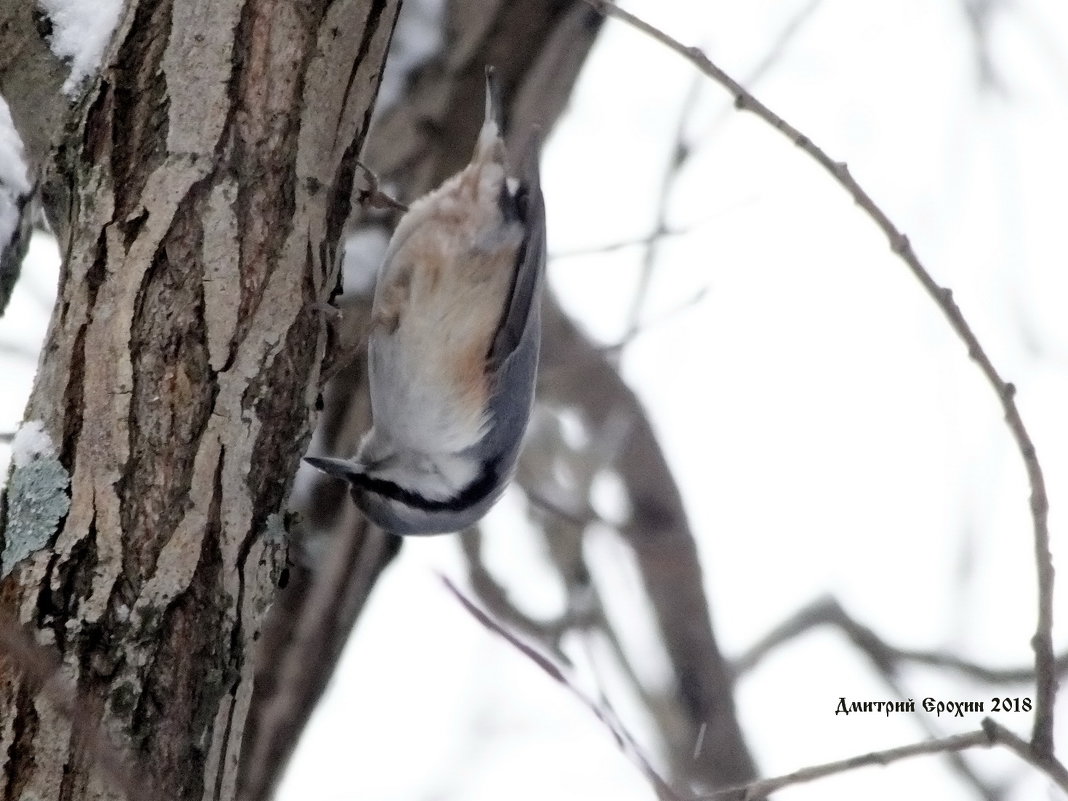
198	192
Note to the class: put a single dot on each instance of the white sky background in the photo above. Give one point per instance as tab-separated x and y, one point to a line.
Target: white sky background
829	433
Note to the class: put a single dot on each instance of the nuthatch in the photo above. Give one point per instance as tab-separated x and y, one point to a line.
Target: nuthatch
453	348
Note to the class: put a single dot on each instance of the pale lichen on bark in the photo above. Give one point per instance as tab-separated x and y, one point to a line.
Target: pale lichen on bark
37	496
37	502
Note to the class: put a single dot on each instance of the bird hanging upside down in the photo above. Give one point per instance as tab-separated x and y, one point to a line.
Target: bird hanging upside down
453	347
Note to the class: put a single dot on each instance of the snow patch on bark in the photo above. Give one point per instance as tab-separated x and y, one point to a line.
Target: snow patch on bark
81	30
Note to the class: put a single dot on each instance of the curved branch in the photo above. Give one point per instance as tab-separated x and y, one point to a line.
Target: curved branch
1042	642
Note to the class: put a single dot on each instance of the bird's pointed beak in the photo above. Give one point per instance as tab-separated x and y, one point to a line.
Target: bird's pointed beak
490	146
340	468
493	98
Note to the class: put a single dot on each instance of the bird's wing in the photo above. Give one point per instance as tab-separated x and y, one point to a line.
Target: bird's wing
519	316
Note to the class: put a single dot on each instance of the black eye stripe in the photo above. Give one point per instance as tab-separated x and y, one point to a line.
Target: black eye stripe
474	492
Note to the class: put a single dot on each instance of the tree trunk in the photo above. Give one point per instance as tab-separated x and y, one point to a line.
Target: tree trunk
198	195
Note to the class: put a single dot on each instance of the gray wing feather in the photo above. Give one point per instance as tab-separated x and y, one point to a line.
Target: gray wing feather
513	355
526	290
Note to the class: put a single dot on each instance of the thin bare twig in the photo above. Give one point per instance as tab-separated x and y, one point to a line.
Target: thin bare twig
650	324
619	244
991	733
575	375
1042	642
1046	763
548	635
492	595
828	612
603	713
885	659
941	745
957	763
680	152
561	508
579	518
792	27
